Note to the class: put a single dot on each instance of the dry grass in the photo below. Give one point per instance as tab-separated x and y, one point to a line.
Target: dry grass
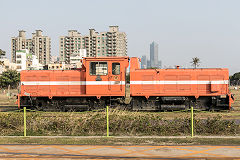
122	123
236	93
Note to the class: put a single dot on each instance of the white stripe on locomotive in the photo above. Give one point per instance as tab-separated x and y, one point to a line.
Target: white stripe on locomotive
180	82
118	82
73	83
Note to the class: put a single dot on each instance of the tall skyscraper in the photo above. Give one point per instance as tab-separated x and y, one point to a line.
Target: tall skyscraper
144	62
39	45
154	54
148	64
159	64
111	43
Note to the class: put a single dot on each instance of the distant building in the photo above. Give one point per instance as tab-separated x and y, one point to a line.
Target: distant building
154	55
35	65
27	61
19	43
55	59
75	59
21	59
144	62
7	65
159	64
148	64
110	43
58	66
38	45
41	47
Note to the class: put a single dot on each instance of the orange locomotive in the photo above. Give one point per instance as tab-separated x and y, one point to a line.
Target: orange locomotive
102	81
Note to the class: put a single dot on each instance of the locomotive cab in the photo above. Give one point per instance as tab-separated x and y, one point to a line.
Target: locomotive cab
100	80
105	76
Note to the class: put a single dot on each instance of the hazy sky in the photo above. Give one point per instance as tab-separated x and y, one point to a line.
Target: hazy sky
208	29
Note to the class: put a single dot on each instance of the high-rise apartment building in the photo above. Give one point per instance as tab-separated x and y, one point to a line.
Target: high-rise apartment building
19	43
38	45
111	43
41	47
154	54
70	44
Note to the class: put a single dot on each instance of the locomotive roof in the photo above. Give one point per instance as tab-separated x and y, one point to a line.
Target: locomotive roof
185	68
123	57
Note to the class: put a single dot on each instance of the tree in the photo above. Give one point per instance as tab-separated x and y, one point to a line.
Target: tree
2	53
235	79
9	77
195	62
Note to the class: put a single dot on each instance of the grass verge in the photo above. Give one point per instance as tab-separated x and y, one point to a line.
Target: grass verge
120	141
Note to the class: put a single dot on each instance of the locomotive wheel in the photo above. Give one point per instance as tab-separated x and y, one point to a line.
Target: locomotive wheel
40	105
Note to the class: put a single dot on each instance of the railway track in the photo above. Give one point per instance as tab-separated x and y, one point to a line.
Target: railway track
10	108
7	108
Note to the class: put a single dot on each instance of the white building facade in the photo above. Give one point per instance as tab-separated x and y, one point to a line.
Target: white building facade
75	58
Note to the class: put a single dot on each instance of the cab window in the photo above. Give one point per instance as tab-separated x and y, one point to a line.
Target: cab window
98	68
115	68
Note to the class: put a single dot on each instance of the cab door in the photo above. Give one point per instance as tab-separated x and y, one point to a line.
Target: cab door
116	76
97	78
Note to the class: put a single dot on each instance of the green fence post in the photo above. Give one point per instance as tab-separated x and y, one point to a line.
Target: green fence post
191	121
25	122
107	123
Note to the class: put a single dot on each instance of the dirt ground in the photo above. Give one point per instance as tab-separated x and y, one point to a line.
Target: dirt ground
118	152
8	98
